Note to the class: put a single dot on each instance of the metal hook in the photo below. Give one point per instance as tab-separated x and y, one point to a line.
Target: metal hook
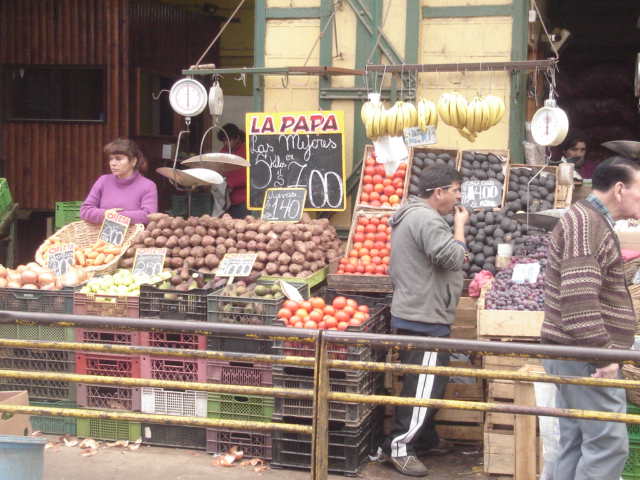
242	78
156	97
285	81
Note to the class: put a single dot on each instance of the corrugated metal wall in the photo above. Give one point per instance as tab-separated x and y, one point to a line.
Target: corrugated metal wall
49	162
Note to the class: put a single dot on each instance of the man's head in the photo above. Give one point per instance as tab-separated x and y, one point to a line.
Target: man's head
616	181
440	188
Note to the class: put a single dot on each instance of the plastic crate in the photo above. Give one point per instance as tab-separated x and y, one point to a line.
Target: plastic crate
35	359
633	429
217	343
105	305
188	403
252	444
107	397
108	337
54	425
239	373
106	429
41	301
171	368
66	212
108	365
229	406
174	436
173	340
201	204
348	447
36	332
632	467
41	390
246	311
173	304
311	281
6	200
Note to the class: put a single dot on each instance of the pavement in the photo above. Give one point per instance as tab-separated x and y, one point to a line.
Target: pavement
67	463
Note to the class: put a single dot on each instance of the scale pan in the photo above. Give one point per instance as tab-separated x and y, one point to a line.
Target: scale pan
193	177
626	148
544	220
219	162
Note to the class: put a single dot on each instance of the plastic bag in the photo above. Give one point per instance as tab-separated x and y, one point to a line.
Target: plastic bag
479	280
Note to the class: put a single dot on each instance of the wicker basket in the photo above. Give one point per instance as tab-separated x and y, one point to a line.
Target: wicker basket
85	234
631	372
630	269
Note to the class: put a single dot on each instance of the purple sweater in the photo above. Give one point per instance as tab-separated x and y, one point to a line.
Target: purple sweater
137	196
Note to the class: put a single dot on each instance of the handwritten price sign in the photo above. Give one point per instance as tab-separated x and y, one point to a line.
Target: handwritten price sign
61	258
114	228
283	204
236	265
482	193
149	260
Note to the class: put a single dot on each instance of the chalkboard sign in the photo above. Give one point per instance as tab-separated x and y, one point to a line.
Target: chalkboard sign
149	260
114	228
302	150
236	265
482	193
61	258
283	204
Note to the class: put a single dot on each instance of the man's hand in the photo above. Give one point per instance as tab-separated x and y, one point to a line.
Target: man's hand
460	216
610	371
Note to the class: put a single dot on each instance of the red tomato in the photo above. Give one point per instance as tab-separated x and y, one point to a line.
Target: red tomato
359	268
355	322
363	308
306	305
370	162
394	199
298	325
290	305
377	179
370	269
339	302
342	316
284	313
368	188
302	313
359	316
329	310
378	187
389	190
350	268
330	321
364	197
343	326
317	302
369	170
381	270
322	326
316	315
367	179
310	324
349	310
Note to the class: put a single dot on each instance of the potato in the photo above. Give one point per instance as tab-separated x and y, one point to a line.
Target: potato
197	252
232	234
229	242
271	268
287	246
264	229
208	240
193	221
261	256
189	262
283	269
220	240
261	247
250	235
200	230
286	235
284	259
149	242
232	250
178	232
211	261
151	226
212	232
209	249
177	223
258	266
241	244
175	251
189	230
185	252
223	232
240	236
183	241
176	262
295	268
273	245
195	240
221	250
261	238
297	258
273	256
251	245
199	262
240	226
161	241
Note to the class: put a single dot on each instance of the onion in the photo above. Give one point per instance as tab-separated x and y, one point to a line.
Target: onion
21	268
3	272
70	278
30	286
13	284
3	282
29	277
48	286
14	277
46	278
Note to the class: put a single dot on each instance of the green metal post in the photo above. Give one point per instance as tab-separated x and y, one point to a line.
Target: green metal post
518	100
260	35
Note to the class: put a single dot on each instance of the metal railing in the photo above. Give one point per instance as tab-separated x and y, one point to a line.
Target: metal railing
321	363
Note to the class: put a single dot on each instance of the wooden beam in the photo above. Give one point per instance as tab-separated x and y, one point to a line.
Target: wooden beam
468	11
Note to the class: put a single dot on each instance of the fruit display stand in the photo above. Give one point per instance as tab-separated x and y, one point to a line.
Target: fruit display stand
377	189
563	194
485	161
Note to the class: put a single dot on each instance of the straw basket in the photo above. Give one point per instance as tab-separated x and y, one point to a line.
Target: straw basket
85	234
631	372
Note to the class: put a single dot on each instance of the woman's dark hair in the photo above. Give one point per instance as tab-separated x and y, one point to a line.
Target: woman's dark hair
125	146
232	131
572	140
613	170
437	176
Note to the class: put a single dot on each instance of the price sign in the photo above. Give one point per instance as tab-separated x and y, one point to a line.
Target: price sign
236	265
283	204
482	193
114	228
149	260
525	272
414	136
61	258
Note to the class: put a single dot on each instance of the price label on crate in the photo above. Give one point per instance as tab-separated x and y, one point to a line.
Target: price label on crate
415	136
149	260
114	228
525	272
61	258
482	193
283	204
236	265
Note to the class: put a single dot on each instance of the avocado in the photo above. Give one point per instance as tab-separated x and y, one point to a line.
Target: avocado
261	290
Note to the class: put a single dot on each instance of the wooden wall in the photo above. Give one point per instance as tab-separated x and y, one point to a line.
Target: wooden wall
49	162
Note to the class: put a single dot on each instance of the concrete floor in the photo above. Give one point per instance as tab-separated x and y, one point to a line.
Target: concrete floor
67	463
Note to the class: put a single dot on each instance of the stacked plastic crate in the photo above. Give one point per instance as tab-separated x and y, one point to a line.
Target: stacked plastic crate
48	393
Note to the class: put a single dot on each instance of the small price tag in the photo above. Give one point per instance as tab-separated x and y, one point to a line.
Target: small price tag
61	258
290	291
283	204
482	193
114	228
414	136
525	272
236	265
149	260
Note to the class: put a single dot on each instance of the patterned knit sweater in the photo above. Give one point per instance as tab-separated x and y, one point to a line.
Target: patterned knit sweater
586	298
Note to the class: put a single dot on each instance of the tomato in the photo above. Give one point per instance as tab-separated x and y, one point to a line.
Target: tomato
342	316
290	305
343	326
377	179
375	203
389	190
378	187
380	170
363	308
329	310
358	237
381	237
368	188
307	305
360	228
294	319
322	325
302	313
310	324
340	271
359	268
364	197
284	313
316	315
374	196
374	252
339	302
376	260
370	269
370	162
350	310
369	170
317	302
355	322
383	252
350	268
365	259
370	229
374	220
394	199
387	182
360	316
381	270
398	182
330	321
298	325
367	179
384	198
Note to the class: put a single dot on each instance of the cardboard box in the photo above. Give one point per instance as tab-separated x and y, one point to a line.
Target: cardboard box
15	424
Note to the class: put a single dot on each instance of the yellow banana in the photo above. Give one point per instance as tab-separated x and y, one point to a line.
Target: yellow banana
486	115
411	115
497	108
477	122
461	107
453	111
443	108
467	134
423	114
433	117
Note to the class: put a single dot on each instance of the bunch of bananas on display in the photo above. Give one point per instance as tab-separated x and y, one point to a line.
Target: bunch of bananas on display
402	115
427	114
473	117
373	118
452	108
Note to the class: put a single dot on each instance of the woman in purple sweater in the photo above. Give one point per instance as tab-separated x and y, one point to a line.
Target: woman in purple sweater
125	189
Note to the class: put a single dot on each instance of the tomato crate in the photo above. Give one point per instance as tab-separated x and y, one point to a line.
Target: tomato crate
36	332
41	390
186	403
247	311
41	301
107	397
174	436
171	368
66	212
239	373
252	444
112	430
228	406
375	301
51	424
109	337
173	340
173	304
105	305
349	447
217	343
128	366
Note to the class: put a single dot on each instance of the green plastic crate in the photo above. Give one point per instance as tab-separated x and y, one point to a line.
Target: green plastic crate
6	200
54	425
240	407
66	212
201	204
312	280
632	467
633	429
37	332
104	429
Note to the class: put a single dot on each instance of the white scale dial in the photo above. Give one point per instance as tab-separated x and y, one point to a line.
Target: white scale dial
188	97
549	125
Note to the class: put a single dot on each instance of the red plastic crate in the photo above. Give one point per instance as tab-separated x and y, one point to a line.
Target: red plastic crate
105	305
239	373
173	340
108	397
108	365
109	337
172	368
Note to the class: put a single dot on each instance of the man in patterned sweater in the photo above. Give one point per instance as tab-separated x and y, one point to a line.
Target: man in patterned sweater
587	304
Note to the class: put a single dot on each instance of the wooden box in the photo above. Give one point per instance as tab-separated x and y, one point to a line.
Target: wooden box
508	324
426	150
461	426
464	325
368	150
563	193
505	156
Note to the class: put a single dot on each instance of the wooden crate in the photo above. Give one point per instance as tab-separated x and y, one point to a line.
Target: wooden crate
563	194
461	426
464	325
514	325
505	156
368	149
501	362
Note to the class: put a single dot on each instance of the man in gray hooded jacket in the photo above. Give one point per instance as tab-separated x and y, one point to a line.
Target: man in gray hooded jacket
426	270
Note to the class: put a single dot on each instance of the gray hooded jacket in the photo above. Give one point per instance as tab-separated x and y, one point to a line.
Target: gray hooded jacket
426	265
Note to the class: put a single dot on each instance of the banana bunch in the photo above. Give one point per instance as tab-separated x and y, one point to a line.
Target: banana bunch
427	114
400	116
453	109
483	113
373	118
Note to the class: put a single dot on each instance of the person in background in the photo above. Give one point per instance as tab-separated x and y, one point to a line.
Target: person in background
574	150
426	271
587	304
232	139
125	189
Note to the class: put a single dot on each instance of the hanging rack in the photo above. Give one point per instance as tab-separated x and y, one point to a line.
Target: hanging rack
469	67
